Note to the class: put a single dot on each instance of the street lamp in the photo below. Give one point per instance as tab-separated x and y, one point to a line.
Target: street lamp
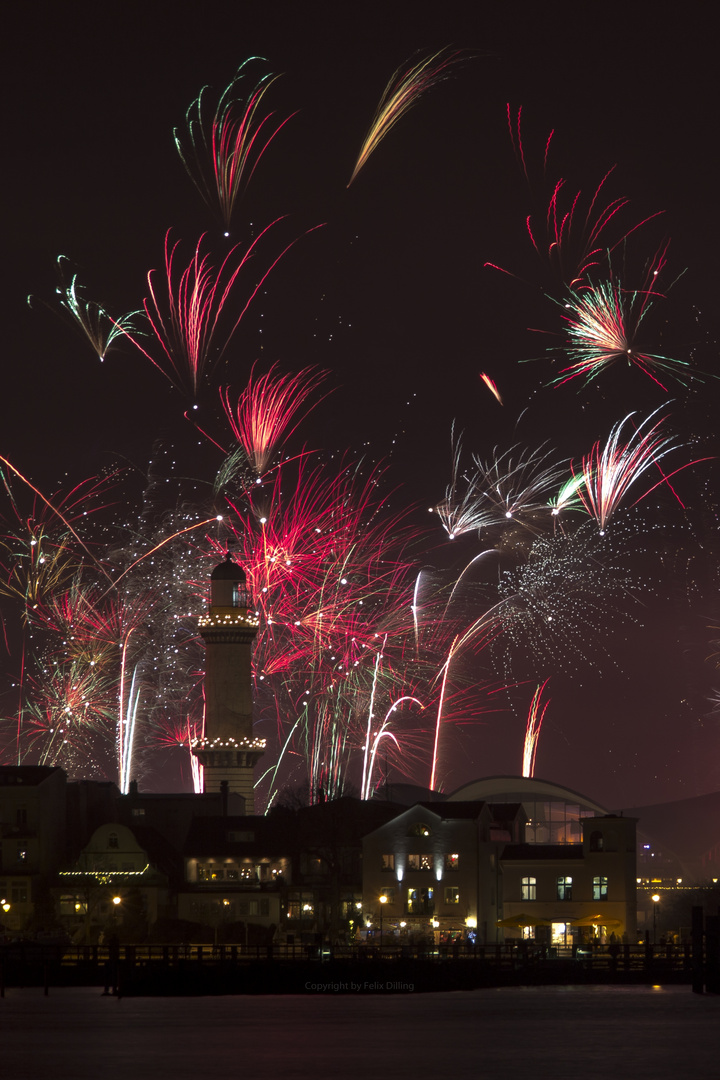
656	900
383	901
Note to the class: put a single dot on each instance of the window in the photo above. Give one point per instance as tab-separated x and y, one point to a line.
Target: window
18	894
21	816
21	853
452	862
596	841
387	862
113	840
420	902
390	894
452	894
418	830
564	888
420	862
529	888
138	811
600	888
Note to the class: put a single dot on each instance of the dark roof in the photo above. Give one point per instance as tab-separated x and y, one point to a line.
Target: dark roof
469	810
228	571
506	810
345	820
26	775
541	852
243	836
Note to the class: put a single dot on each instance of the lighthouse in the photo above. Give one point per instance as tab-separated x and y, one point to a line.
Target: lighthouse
229	751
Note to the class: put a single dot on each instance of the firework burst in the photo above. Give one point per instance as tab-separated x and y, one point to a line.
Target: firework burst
406	86
194	322
608	472
221	148
602	324
265	411
98	328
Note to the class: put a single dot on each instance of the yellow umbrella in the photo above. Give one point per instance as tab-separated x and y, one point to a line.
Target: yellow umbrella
595	920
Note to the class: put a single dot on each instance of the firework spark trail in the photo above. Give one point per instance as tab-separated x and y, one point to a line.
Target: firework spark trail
406	86
446	671
384	733
475	559
511	486
94	323
37	556
265	411
69	705
370	717
191	324
492	387
532	731
574	242
224	150
461	510
66	504
568	497
608	472
126	735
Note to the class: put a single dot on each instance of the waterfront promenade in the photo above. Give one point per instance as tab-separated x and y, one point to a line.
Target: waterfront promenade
197	969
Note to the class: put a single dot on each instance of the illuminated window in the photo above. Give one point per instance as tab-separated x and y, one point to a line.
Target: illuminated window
600	888
452	862
420	862
420	901
418	830
388	862
529	888
452	894
564	888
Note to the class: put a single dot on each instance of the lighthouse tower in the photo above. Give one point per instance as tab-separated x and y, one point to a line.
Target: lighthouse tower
229	752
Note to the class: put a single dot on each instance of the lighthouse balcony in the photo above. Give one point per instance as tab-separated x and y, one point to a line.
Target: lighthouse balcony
228	744
228	618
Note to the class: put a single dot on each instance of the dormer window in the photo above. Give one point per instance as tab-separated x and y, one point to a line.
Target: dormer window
113	840
419	829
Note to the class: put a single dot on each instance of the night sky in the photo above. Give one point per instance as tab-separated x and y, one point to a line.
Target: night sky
392	297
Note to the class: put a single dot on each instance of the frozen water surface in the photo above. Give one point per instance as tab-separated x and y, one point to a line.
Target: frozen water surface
499	1034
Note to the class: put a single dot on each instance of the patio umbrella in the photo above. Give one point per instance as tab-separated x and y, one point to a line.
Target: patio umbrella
595	920
515	921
